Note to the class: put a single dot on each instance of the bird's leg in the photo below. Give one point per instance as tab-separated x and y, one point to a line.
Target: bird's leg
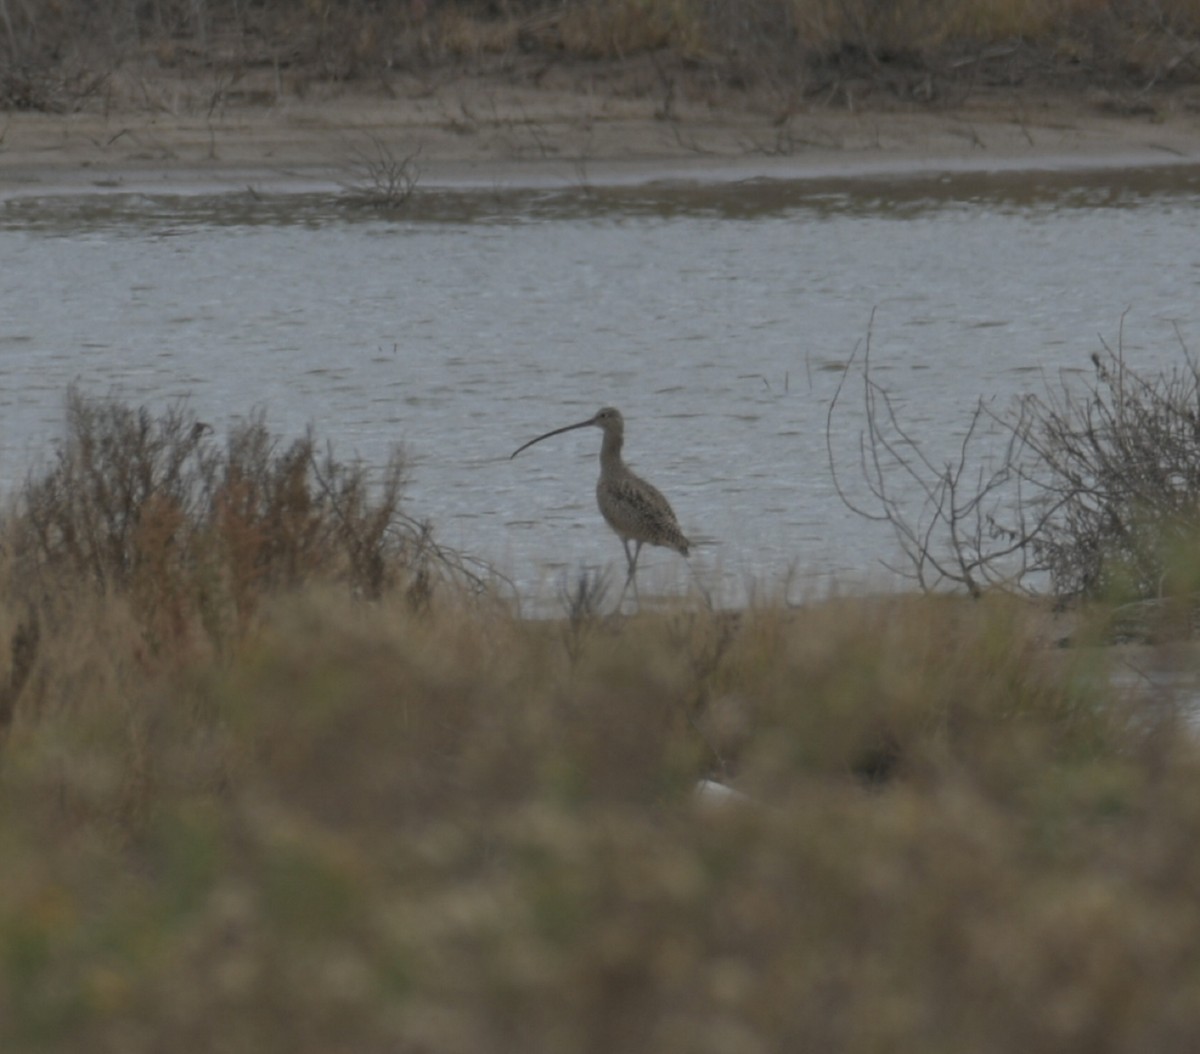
633	572
631	577
628	572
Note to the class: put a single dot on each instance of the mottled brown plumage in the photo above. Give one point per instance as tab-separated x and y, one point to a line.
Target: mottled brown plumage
633	508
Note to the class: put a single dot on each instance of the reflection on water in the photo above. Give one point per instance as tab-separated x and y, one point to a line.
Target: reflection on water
718	318
897	198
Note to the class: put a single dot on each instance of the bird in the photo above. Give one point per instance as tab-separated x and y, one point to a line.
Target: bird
634	509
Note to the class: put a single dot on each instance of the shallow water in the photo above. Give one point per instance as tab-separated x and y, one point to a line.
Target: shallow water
717	318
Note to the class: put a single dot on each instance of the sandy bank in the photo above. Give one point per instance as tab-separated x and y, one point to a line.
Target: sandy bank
472	131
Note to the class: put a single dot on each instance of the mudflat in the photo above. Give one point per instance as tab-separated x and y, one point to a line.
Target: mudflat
460	129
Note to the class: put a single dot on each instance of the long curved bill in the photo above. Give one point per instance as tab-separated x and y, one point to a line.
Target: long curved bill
557	431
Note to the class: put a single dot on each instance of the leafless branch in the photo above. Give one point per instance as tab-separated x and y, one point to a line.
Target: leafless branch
1096	488
969	528
382	177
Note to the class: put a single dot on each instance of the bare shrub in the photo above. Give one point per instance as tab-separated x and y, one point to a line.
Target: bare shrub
970	527
381	177
117	469
1118	465
1089	489
153	507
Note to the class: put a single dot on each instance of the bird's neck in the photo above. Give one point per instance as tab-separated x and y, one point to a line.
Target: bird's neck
610	451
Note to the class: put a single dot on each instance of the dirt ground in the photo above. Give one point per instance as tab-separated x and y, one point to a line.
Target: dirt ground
489	131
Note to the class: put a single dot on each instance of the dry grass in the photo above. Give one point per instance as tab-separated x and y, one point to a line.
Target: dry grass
371	826
61	56
375	830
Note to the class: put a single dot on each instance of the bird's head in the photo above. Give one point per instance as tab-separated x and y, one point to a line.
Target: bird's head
608	419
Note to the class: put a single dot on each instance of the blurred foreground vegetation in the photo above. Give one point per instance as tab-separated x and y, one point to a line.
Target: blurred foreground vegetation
70	53
278	774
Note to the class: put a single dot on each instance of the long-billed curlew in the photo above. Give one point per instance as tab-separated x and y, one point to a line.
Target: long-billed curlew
632	507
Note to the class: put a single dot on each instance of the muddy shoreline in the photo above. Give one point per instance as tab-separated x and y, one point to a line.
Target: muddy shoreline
476	132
